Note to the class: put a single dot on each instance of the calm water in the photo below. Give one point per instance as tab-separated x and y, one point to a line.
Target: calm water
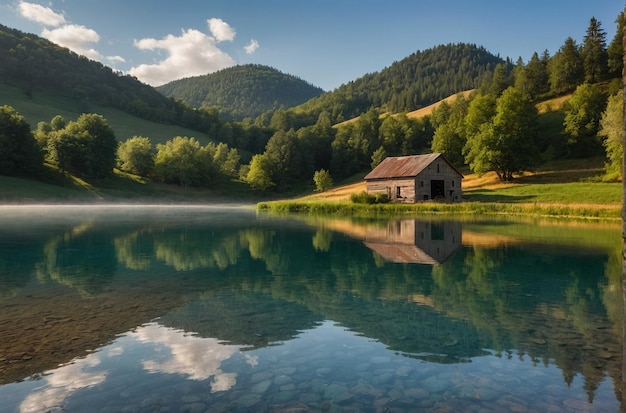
120	309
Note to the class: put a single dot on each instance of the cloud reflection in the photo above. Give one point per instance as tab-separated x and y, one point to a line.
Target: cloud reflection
62	382
195	357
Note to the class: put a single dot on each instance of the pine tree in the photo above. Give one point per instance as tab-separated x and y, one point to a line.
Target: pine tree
594	55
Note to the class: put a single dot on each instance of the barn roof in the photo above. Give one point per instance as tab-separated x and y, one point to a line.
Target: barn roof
405	166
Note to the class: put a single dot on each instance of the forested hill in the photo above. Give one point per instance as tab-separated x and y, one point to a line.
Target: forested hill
35	64
243	91
416	81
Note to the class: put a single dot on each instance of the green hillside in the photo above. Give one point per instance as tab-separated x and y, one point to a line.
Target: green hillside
242	91
43	106
416	81
36	65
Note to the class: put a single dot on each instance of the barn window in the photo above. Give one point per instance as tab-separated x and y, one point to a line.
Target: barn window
398	192
422	184
438	168
452	184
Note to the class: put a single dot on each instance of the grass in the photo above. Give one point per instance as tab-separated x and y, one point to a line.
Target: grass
58	187
42	107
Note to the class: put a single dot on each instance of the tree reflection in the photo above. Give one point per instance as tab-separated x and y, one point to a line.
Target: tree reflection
133	251
556	302
81	258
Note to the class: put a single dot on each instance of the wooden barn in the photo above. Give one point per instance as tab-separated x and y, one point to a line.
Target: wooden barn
416	178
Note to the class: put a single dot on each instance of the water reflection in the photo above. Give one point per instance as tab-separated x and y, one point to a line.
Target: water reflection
415	241
205	288
195	357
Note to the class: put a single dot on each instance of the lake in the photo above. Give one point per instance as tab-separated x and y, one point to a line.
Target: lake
215	309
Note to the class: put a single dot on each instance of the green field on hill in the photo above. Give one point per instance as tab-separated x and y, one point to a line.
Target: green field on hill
42	107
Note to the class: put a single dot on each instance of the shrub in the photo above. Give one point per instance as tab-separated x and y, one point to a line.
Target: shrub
364	198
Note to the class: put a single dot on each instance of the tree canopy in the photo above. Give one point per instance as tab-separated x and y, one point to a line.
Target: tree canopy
19	152
506	143
86	147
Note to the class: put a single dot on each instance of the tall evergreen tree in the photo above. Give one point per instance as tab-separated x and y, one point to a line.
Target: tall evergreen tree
533	80
594	55
615	51
566	69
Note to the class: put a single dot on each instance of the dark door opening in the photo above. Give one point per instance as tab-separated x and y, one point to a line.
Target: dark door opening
437	189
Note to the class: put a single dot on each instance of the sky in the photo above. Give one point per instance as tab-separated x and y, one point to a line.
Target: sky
324	42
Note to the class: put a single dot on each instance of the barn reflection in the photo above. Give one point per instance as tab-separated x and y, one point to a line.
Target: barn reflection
415	241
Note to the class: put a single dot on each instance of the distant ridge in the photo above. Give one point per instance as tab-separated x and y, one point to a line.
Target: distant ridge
242	91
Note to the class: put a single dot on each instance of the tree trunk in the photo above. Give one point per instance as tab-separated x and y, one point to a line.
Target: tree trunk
623	389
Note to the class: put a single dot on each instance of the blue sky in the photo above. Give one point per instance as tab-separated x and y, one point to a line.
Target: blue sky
326	43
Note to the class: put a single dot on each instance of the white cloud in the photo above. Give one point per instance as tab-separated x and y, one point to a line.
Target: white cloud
40	14
76	38
193	53
221	30
252	46
115	59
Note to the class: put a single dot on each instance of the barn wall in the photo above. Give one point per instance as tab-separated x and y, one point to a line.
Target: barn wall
452	181
390	187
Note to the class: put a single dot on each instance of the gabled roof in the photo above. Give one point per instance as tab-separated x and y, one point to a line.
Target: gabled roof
405	166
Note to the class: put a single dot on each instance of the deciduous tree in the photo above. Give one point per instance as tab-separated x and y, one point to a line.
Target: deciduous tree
184	161
582	120
19	151
612	129
506	143
86	147
323	180
136	156
259	176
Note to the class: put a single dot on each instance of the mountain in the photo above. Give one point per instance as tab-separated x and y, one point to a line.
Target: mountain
243	91
416	81
35	64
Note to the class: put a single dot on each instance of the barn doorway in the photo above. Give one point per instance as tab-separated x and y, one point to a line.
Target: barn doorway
437	189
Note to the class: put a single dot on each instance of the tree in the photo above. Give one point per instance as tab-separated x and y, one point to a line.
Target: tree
612	129
99	143
582	120
379	155
479	112
184	161
19	151
392	135
506	143
323	180
450	137
286	161
136	156
259	175
86	147
594	55
500	80
566	69
615	51
533	78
